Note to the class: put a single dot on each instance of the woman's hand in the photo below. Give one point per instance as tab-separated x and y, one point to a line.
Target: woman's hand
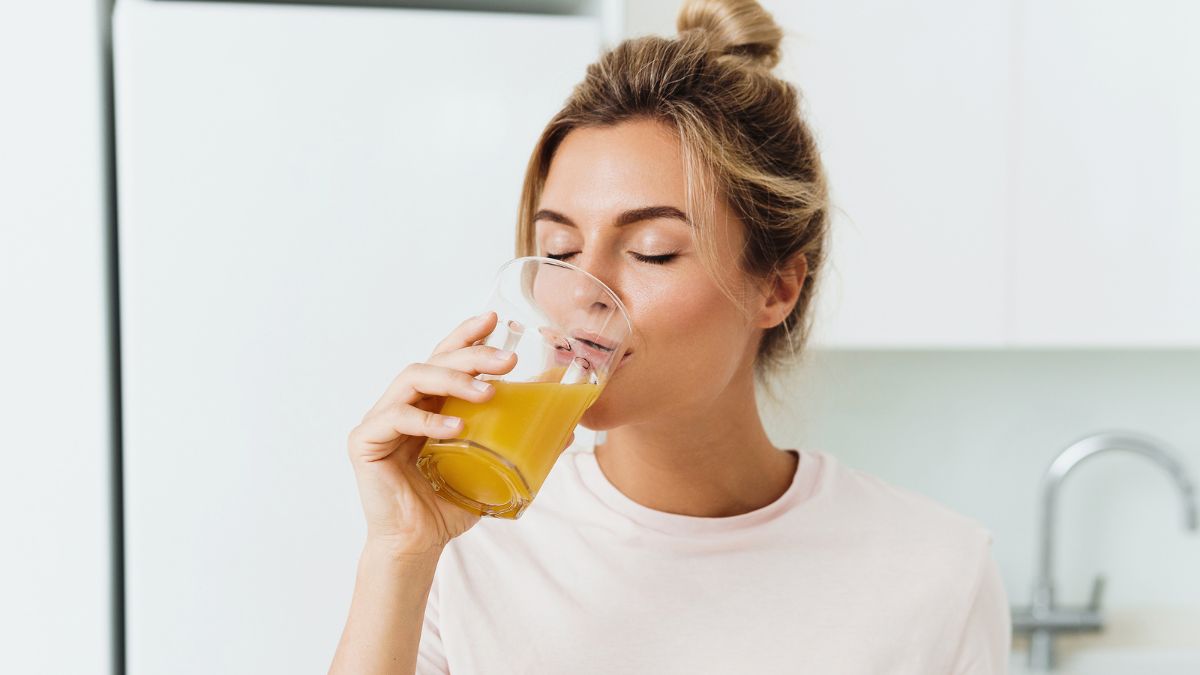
404	515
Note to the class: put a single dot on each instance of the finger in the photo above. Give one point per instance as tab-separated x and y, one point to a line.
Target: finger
467	333
377	436
477	359
419	381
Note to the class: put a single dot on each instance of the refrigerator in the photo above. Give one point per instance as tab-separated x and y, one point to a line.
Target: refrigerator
309	198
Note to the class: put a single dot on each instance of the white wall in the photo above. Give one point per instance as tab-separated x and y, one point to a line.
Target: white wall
55	575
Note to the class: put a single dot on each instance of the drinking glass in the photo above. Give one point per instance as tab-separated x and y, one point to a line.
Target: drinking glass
569	332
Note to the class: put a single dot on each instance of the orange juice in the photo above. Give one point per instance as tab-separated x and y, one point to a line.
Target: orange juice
508	445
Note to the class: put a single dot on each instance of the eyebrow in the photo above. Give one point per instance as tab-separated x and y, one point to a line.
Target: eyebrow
626	217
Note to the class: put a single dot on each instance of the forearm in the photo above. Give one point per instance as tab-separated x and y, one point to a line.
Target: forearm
383	631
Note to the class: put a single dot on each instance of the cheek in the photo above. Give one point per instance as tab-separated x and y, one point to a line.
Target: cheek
693	326
690	345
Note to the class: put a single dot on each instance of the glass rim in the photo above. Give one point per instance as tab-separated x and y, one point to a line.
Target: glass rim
562	263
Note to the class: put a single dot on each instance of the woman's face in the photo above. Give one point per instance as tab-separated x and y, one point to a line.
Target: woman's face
689	340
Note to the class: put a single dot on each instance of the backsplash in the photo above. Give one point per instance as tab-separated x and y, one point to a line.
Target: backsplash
976	430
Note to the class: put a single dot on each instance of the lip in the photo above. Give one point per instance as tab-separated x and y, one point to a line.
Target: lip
603	343
592	353
599	351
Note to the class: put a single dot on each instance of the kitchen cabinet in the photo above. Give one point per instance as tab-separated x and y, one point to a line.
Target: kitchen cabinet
1106	219
1005	174
910	104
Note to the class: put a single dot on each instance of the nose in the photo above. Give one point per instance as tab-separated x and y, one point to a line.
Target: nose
588	294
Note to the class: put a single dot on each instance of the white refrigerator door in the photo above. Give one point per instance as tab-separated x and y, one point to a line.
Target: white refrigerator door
309	199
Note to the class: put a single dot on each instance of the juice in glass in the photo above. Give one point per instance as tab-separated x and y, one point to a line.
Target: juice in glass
508	444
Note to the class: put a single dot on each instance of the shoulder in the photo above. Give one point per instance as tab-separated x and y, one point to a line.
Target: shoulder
908	529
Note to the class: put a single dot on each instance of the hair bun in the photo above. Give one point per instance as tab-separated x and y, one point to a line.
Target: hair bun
740	28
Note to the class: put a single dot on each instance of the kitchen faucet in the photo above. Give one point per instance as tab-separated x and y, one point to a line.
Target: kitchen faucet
1042	620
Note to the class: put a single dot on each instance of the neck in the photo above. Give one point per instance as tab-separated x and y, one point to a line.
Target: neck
709	461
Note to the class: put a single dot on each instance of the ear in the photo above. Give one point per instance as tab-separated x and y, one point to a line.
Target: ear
782	292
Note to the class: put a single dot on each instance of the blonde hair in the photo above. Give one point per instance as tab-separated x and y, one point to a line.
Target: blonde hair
743	140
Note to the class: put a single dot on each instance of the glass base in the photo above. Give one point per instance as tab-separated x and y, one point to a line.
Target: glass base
475	478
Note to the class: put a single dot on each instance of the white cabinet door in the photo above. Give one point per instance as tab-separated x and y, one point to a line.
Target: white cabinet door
910	104
310	198
1107	220
56	409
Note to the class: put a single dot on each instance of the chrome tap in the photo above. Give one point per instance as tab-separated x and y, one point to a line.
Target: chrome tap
1042	619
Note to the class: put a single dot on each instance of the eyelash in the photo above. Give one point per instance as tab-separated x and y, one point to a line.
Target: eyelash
651	259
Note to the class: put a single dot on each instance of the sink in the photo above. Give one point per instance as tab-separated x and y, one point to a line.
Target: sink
1118	661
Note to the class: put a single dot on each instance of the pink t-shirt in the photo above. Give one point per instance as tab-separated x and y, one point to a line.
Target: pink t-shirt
843	573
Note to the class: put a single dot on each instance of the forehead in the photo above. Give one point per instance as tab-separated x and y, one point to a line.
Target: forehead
627	165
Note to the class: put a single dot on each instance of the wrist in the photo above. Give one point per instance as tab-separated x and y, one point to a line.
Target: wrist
400	552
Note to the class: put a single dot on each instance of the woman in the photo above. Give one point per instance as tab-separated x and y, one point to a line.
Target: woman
680	173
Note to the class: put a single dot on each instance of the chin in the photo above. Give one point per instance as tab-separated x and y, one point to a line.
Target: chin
616	407
622	402
600	416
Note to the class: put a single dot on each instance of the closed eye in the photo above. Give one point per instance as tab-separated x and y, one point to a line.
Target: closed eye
651	259
654	260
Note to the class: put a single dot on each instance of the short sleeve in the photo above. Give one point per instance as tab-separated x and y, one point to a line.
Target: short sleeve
431	657
987	631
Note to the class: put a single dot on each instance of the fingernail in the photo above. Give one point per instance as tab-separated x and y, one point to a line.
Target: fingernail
502	355
481	385
483	316
451	421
